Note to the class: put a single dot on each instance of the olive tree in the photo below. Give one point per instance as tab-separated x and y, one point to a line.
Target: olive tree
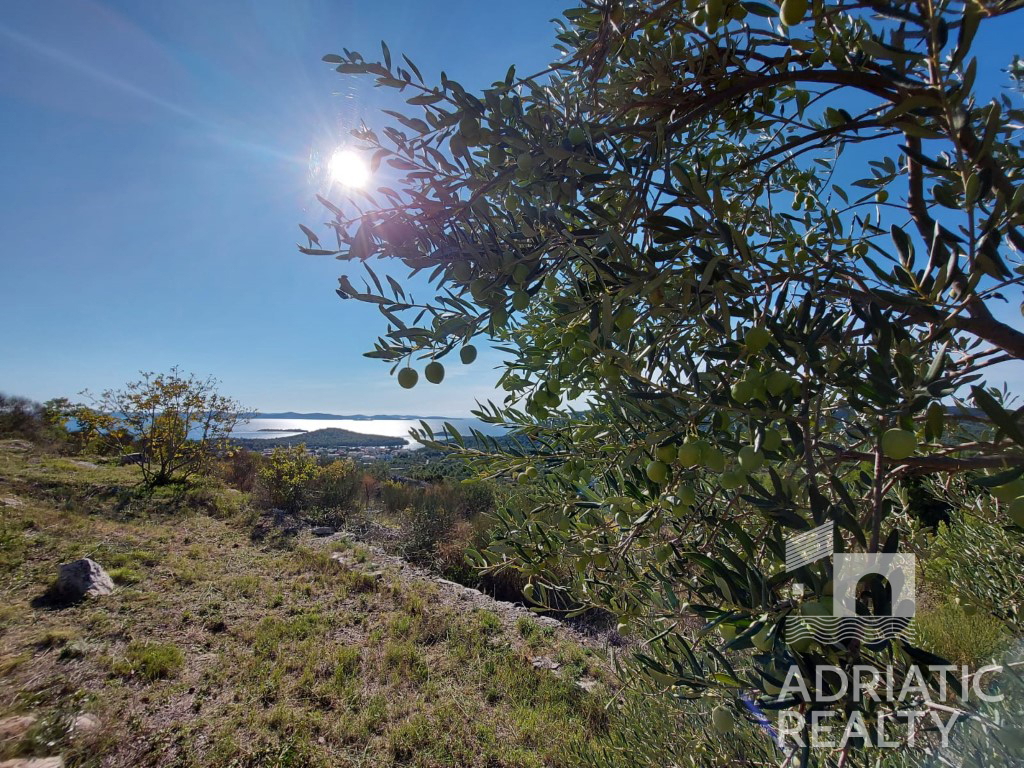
173	419
750	266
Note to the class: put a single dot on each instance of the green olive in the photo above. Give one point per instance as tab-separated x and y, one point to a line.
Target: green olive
657	471
899	443
666	453
434	372
689	453
778	382
687	495
731	479
743	391
792	11
714	459
750	460
407	378
756	339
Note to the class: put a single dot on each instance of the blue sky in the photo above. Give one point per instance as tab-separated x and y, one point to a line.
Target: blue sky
157	163
156	168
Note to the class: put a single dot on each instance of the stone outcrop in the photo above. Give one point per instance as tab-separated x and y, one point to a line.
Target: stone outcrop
15	726
81	579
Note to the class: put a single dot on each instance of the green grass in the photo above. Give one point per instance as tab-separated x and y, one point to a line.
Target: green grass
946	630
151	661
126	576
533	633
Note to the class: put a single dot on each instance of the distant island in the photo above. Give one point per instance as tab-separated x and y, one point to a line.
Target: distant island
282	430
356	417
322	438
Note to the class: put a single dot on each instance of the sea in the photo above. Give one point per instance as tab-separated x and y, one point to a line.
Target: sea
268	428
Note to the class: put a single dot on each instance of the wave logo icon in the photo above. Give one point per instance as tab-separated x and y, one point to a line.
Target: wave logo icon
888	576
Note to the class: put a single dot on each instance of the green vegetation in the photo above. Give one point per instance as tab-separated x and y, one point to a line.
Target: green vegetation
769	330
964	636
977	560
440	522
40	423
172	419
153	661
291	479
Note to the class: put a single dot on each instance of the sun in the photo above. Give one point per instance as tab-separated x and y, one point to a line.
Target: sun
349	169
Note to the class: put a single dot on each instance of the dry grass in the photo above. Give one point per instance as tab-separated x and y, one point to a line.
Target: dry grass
214	651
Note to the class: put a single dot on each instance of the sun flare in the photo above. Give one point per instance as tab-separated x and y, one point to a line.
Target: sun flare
349	169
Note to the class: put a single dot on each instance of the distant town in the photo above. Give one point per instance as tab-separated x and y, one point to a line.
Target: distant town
360	454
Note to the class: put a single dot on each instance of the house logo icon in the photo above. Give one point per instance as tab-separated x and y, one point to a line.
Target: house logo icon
892	573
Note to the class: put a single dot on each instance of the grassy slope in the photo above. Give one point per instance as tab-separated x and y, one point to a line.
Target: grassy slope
216	651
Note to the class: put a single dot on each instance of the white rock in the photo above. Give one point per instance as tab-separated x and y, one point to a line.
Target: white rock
544	662
85	724
15	727
83	578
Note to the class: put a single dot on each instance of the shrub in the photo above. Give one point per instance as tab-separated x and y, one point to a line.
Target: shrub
284	477
450	551
19	417
239	468
476	496
290	479
210	497
961	636
426	523
976	559
335	485
172	418
23	418
442	521
395	496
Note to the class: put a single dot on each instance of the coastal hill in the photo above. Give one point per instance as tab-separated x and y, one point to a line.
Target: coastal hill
356	417
330	437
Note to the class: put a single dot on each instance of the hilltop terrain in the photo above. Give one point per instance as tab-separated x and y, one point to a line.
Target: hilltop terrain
219	647
330	437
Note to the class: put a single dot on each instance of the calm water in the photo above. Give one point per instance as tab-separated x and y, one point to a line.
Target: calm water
388	427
